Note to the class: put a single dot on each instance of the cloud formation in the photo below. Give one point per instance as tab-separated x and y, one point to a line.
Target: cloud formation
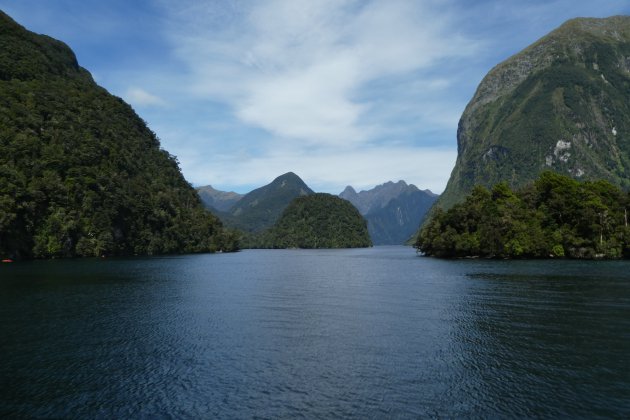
297	68
339	91
328	171
141	98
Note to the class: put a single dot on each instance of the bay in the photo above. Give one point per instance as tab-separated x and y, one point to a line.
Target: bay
361	333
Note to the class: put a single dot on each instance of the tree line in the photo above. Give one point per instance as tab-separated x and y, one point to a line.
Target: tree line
553	217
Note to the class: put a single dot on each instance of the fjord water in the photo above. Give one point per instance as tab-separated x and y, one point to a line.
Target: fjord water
363	333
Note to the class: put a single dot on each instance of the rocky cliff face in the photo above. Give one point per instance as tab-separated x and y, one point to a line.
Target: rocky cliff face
562	104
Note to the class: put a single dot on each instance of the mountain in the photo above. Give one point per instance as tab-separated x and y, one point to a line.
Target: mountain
377	197
318	221
80	173
261	208
398	220
217	200
393	210
562	104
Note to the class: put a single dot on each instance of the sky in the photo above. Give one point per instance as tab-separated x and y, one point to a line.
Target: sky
341	92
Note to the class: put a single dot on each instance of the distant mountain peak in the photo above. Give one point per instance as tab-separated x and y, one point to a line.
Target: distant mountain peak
262	207
288	176
348	191
215	199
393	210
377	197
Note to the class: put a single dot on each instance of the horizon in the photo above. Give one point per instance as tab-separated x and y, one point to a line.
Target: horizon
341	93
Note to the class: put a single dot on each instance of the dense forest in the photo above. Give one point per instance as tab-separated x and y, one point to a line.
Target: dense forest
315	221
80	173
555	216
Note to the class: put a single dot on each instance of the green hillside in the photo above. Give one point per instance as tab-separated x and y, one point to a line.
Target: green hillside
562	104
317	221
80	172
261	208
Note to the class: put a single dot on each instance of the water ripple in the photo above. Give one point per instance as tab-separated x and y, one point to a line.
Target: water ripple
376	333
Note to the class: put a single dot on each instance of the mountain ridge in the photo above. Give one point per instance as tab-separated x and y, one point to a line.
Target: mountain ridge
560	104
218	200
377	197
261	208
393	211
80	172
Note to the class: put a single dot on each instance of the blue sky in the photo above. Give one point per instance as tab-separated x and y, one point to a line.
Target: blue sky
340	92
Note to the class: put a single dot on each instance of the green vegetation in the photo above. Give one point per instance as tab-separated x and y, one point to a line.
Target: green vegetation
80	172
555	216
261	208
562	104
315	221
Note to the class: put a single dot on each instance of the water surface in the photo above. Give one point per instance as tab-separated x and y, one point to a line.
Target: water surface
364	333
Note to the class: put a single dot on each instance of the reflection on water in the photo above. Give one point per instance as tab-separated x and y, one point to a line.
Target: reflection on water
353	333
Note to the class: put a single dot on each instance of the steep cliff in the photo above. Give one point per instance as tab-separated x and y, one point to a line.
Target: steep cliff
562	104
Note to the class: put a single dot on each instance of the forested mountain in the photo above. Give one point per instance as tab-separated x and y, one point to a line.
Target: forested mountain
555	216
221	201
261	208
562	104
317	221
393	211
80	172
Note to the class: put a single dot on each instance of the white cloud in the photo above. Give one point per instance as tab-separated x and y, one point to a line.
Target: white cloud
301	106
141	98
328	172
339	91
296	68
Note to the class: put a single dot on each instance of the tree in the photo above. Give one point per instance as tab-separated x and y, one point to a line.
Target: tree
555	216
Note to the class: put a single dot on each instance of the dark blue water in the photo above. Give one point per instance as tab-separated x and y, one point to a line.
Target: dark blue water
371	333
